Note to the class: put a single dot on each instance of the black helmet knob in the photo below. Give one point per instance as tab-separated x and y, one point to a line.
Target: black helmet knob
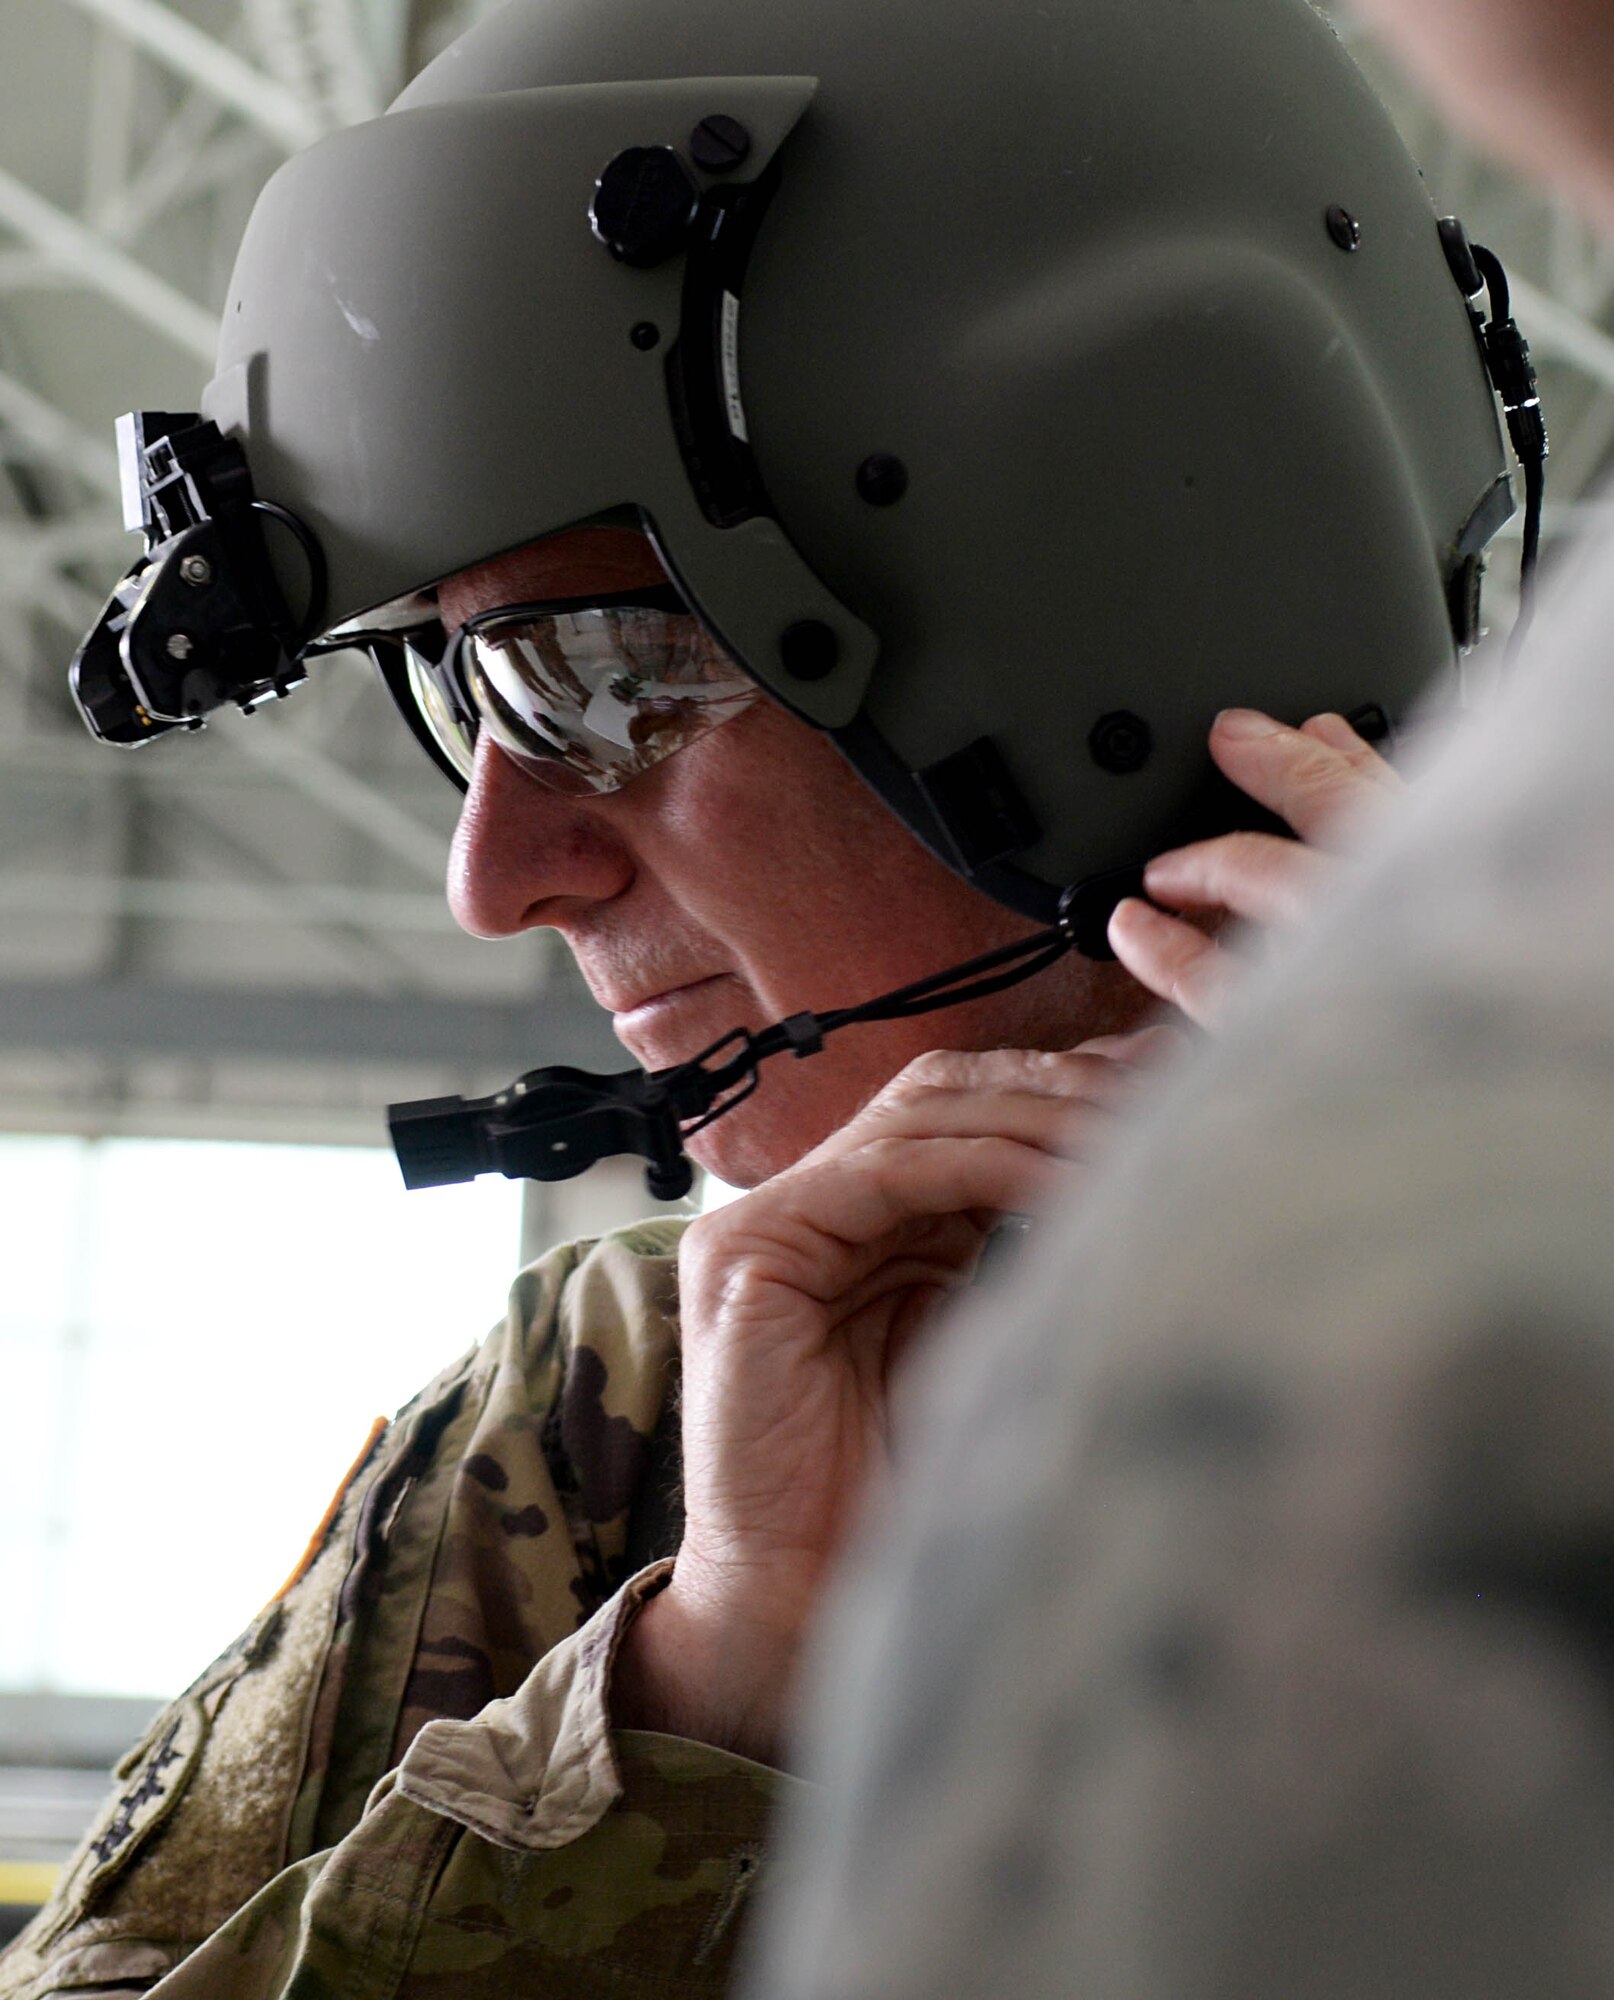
644	206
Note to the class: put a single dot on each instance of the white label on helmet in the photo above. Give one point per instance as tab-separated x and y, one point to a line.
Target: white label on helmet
731	368
134	512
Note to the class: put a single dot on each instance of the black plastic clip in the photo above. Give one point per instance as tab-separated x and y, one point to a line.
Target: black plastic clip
803	1034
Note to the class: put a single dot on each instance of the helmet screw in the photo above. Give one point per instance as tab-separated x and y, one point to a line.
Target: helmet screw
644	206
882	480
1344	228
1120	742
180	646
197	570
719	144
645	335
808	650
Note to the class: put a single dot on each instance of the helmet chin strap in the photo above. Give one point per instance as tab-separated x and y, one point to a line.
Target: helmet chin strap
552	1124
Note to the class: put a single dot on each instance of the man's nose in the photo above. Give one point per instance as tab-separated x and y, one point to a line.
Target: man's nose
524	855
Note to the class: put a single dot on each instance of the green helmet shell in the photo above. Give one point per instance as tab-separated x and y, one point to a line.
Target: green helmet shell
1169	435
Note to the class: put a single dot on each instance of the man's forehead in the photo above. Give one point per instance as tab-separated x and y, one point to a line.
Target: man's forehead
575	563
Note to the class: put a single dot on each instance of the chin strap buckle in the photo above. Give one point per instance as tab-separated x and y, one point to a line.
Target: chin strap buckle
803	1033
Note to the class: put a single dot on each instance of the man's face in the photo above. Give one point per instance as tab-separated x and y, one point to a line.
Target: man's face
747	877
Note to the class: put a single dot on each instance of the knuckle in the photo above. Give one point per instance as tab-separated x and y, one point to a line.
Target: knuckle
882	1147
1321	769
935	1068
699	1240
1095	1057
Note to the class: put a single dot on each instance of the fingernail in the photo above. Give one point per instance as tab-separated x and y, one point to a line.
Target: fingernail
1246	723
1157	868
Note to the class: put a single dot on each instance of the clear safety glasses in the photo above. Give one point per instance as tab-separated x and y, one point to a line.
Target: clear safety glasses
584	694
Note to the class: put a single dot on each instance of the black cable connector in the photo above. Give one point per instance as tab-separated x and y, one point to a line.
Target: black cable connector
1513	374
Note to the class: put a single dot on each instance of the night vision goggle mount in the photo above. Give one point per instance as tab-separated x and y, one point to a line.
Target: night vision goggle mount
554	1123
200	619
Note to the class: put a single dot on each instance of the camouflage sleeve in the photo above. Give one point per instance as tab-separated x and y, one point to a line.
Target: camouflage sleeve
529	1851
511	1516
197	1818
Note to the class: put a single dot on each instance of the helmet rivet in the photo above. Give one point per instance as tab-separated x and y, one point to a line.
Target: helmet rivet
179	646
1344	228
197	570
808	650
718	144
645	335
644	206
1120	742
882	480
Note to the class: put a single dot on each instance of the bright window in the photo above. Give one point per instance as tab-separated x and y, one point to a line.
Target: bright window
194	1341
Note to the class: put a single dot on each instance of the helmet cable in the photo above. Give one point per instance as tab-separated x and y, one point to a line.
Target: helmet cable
1507	359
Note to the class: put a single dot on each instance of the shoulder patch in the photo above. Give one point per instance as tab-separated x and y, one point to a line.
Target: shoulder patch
154	1775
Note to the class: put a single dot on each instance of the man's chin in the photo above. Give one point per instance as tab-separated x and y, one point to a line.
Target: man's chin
795	1106
792	1110
732	1153
740	1148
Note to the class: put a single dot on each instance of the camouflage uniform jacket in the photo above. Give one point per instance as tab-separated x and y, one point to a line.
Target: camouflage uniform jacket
375	1791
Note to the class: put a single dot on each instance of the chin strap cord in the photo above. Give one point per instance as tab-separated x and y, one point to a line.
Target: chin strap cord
554	1123
804	1034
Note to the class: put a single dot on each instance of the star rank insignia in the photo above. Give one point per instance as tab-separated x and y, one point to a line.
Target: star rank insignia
151	1788
152	1778
148	1790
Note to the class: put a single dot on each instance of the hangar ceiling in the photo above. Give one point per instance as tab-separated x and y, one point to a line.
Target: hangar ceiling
249	936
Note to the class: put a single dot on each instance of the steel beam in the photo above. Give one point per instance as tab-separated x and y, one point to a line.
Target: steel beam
181	177
104	268
165	899
191	53
56	435
110	128
58	596
314	48
342	793
131	1020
